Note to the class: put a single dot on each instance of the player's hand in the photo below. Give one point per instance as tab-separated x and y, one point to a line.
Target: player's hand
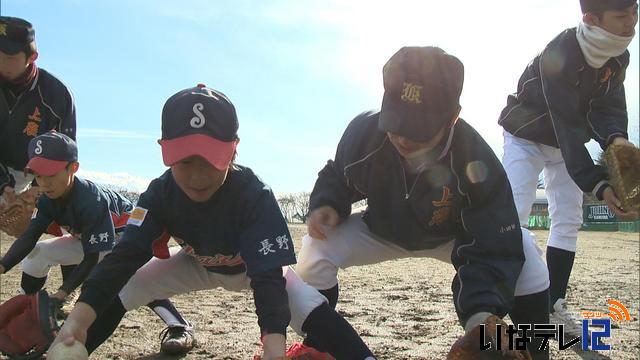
76	325
273	346
60	295
322	221
615	205
621	141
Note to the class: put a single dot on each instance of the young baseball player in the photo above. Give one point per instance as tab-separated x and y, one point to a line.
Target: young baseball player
434	188
32	102
570	93
94	218
231	235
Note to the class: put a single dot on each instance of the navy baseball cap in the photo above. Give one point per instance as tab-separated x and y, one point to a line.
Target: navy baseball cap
51	152
199	121
422	87
604	5
15	34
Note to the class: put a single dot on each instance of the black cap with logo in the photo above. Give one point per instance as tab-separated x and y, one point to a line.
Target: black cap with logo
604	5
422	87
15	34
50	153
199	121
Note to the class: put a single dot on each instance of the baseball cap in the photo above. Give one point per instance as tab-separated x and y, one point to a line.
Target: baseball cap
199	121
422	87
50	153
15	34
603	5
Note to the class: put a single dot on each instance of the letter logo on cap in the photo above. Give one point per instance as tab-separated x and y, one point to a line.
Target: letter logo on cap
412	93
3	29
197	121
38	149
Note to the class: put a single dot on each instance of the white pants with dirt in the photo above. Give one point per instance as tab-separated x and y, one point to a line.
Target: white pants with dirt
164	278
64	250
352	244
523	160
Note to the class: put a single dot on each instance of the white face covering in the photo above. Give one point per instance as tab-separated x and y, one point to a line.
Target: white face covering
599	45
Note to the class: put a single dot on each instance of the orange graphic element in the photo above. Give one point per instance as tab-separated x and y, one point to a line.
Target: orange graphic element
593	314
36	115
31	129
440	216
618	311
606	75
446	198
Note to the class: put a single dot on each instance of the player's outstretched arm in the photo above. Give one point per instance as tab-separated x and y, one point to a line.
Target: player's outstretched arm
76	325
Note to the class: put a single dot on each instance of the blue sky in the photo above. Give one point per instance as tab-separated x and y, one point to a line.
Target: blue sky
297	71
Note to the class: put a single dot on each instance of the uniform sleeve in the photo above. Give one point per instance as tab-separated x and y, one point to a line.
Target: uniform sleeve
68	117
607	116
272	303
97	233
331	187
488	253
40	220
561	97
6	179
265	242
129	254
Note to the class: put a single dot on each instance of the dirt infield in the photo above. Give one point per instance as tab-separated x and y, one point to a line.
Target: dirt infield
402	308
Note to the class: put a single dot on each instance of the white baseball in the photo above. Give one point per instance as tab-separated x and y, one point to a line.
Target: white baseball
61	351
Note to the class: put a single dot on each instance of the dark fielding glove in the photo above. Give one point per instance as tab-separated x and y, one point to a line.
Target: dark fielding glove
623	165
467	347
27	326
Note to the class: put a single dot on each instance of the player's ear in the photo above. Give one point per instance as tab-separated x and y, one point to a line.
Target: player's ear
590	19
33	57
74	167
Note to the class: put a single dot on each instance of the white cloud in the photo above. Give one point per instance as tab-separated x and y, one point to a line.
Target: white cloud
120	179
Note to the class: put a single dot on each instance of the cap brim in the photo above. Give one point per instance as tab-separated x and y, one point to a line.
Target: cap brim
10	47
411	122
218	153
46	167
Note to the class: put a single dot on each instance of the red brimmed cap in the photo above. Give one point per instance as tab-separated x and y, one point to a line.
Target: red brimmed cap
199	121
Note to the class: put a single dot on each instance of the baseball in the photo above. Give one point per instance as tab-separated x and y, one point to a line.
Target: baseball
61	351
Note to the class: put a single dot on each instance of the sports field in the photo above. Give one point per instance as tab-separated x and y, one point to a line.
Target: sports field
402	308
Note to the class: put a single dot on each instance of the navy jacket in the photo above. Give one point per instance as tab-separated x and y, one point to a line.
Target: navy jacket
240	229
463	195
564	103
46	104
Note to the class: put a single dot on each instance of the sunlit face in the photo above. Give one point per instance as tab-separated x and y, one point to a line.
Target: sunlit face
198	179
618	22
58	185
406	146
12	66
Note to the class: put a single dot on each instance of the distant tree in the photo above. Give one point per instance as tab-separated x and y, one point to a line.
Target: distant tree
133	196
287	206
301	206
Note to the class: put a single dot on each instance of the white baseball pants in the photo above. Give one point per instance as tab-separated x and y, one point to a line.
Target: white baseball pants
353	244
164	278
523	160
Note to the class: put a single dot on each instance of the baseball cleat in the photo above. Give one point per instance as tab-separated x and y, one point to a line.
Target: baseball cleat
176	340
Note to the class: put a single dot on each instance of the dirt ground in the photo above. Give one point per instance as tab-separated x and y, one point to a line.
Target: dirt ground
403	309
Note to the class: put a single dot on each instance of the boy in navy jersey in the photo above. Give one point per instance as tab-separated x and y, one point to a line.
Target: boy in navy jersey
231	235
94	218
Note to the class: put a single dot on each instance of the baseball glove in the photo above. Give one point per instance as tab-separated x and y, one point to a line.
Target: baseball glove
467	347
623	164
15	216
27	326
